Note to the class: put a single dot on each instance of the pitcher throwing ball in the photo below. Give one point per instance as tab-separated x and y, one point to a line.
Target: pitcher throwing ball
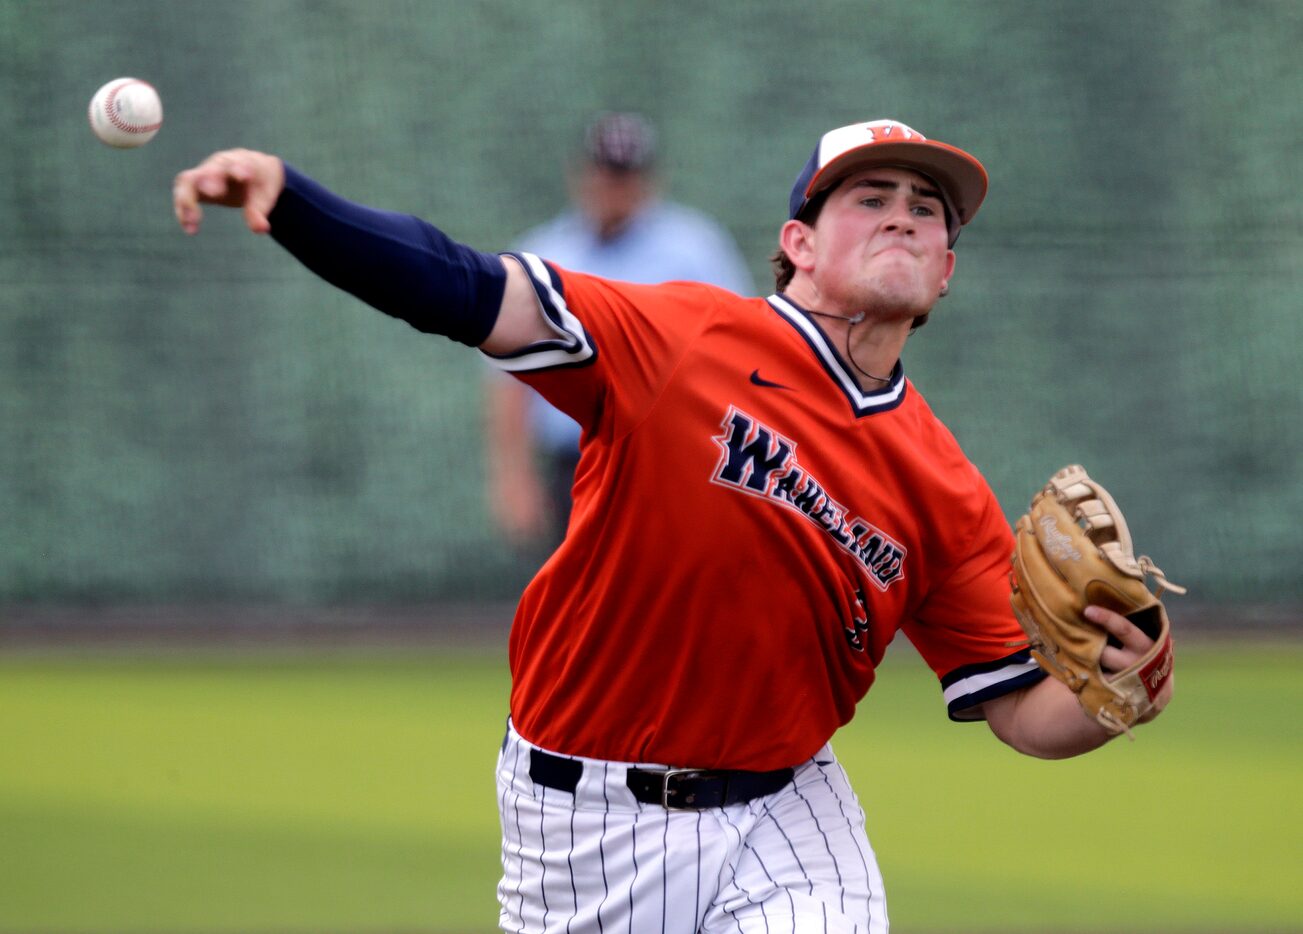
762	500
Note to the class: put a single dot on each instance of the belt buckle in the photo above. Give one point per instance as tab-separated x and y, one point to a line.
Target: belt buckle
671	775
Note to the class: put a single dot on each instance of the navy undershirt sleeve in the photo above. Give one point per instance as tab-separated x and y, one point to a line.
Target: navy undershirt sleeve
396	263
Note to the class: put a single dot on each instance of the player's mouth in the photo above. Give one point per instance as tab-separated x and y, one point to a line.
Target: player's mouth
895	249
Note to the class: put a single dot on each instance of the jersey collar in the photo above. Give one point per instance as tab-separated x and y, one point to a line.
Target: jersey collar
886	397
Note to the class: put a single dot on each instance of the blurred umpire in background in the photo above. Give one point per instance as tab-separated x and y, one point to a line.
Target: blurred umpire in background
618	227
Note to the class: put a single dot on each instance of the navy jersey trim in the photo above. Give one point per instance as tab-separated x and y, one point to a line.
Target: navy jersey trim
572	346
862	403
967	687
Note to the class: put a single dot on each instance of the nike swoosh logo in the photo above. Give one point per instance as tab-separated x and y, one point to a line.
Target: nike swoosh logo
761	381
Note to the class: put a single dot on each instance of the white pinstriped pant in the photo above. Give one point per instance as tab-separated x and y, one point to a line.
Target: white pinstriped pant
597	860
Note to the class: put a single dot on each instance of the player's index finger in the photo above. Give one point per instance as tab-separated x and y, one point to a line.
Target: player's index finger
183	185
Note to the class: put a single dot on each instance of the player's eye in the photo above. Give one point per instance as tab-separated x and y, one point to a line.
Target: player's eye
923	210
872	202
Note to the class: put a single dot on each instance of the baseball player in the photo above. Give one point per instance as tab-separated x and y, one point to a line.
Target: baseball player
762	501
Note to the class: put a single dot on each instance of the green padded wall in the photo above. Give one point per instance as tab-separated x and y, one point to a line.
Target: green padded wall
201	420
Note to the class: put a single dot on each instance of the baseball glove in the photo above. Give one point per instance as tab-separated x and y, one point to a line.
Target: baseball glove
1072	549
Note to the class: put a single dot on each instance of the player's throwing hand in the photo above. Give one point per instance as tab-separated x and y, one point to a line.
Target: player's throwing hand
234	178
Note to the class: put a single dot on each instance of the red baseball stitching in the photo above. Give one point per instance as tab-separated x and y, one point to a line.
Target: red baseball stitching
117	121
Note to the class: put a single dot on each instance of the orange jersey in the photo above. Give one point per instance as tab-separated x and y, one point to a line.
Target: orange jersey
749	531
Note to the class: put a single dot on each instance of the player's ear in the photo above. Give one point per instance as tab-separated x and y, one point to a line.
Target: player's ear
796	239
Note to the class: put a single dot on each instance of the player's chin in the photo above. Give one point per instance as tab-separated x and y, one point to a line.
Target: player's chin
904	296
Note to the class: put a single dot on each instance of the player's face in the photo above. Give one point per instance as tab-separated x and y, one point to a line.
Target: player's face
881	244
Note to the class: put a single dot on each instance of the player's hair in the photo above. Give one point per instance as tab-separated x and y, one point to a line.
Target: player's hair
783	269
782	264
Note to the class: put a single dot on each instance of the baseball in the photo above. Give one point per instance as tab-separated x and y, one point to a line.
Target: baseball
126	113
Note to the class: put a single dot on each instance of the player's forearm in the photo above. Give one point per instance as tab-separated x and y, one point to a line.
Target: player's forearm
396	263
1046	721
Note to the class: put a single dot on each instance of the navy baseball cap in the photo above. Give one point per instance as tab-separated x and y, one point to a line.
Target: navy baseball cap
625	142
959	176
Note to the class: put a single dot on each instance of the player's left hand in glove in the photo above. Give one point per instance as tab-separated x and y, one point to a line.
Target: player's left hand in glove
1072	551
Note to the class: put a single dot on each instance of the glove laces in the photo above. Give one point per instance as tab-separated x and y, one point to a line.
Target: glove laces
1148	567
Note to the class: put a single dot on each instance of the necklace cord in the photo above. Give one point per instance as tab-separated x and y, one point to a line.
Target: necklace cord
854	320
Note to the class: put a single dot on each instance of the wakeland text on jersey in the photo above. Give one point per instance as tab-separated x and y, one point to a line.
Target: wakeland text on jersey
758	460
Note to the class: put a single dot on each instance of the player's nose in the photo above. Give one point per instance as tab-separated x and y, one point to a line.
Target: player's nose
899	220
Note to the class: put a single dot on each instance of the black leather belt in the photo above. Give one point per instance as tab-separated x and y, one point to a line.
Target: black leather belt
677	789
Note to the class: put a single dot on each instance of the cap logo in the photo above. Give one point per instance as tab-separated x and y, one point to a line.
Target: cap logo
847	138
882	129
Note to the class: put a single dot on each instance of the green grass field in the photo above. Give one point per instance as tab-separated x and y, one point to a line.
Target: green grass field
354	793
